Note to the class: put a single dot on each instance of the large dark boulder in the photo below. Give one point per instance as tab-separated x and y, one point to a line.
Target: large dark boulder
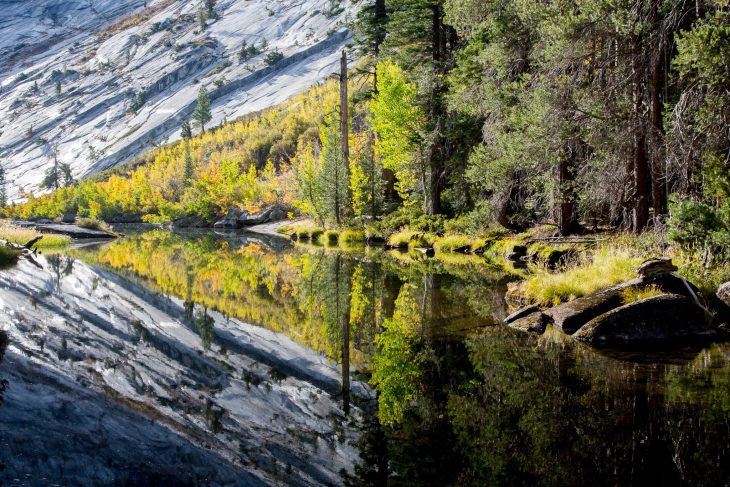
570	316
660	321
231	220
723	293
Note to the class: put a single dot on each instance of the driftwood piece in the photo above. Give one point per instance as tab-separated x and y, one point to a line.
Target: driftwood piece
566	240
32	242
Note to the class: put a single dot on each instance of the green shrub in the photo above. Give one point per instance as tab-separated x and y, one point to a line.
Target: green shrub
695	225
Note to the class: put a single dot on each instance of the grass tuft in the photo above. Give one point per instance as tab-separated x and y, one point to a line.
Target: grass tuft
351	236
605	268
452	243
94	224
632	294
330	237
21	236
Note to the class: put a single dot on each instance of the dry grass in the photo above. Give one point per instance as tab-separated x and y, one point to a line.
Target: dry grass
605	268
93	224
632	294
21	236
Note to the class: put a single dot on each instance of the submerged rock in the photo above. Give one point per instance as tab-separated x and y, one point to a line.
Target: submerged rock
657	321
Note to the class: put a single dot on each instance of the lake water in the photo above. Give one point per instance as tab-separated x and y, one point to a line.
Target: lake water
200	359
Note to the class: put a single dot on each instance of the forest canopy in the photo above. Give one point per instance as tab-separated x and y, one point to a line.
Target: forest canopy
490	113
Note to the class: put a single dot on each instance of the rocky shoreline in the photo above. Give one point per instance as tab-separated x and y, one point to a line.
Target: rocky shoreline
604	319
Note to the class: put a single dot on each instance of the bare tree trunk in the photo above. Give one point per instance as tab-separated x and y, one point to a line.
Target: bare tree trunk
344	126
567	220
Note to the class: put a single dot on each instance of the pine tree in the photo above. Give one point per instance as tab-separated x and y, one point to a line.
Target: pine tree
3	188
202	114
210	9
186	132
58	87
188	165
333	174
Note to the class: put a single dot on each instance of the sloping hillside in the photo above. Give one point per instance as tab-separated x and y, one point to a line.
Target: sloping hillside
98	96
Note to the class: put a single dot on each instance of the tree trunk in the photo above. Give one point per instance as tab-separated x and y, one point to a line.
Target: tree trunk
567	220
656	85
641	183
344	127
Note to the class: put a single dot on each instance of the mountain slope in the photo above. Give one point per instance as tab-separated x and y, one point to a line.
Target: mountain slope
128	86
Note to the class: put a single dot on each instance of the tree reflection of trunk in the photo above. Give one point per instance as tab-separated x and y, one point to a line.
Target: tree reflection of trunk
342	293
391	289
189	304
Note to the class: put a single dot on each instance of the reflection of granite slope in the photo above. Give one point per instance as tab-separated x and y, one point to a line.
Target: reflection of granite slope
107	55
257	399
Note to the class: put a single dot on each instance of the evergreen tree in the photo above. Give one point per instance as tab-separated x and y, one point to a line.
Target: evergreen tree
186	132
202	114
333	175
58	87
188	165
3	188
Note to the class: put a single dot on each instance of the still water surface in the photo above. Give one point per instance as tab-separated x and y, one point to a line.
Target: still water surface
194	359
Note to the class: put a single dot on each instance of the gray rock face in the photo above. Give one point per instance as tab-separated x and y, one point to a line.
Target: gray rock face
106	54
657	321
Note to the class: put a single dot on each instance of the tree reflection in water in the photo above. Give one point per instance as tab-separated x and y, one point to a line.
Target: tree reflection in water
459	401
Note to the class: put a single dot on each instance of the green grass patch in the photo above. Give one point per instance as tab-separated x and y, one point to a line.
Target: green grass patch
22	235
607	267
632	294
411	238
452	243
330	238
351	236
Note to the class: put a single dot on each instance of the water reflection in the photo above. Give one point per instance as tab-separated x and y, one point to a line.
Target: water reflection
404	347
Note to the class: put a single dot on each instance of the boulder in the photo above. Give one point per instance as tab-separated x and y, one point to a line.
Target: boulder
190	221
535	322
723	293
570	316
231	220
255	219
276	215
521	313
659	321
68	218
655	266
